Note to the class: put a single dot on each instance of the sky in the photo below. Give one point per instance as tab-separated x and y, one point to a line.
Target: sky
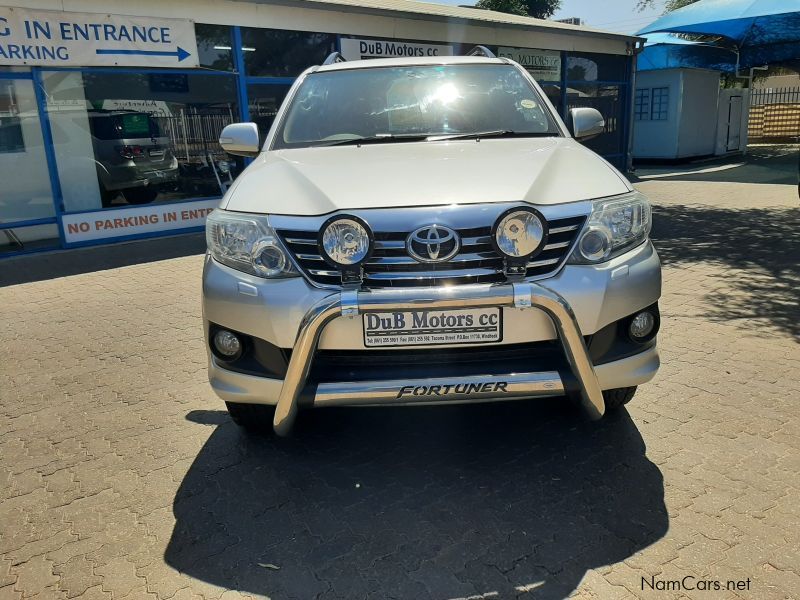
619	16
614	15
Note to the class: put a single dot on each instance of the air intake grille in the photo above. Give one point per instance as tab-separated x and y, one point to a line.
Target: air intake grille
391	266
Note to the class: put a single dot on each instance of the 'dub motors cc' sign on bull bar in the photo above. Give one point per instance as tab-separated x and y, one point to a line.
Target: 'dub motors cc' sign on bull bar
50	38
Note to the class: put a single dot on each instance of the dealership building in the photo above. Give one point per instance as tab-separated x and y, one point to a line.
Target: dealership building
110	110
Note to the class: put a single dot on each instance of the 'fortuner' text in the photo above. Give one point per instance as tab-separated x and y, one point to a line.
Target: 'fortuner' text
464	389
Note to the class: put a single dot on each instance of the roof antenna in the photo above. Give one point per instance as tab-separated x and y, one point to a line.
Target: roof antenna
333	58
481	51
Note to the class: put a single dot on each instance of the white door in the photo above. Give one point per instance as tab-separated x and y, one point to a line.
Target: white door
734	123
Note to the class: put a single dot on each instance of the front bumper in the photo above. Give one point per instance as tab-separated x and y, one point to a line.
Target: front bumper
292	314
132	176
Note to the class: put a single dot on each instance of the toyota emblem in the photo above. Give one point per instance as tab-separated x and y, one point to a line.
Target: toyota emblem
433	243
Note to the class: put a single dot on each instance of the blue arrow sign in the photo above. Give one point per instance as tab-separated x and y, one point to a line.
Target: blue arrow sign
180	52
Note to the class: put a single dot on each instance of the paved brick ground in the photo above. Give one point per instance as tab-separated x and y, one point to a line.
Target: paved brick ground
123	478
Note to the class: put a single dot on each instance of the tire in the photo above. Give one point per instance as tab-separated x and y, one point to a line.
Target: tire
106	197
251	417
617	398
140	195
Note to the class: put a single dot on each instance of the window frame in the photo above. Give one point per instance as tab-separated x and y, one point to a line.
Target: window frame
662	112
641	104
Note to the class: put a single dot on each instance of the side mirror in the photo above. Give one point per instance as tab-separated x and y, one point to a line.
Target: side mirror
240	139
585	123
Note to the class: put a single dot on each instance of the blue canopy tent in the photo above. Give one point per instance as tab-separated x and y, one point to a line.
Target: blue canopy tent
667	51
755	32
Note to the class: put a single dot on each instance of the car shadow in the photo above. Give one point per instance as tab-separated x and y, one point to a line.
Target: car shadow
762	243
506	500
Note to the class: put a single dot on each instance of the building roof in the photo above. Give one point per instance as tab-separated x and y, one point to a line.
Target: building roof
445	11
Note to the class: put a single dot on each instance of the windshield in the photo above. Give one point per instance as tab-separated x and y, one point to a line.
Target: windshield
125	125
412	102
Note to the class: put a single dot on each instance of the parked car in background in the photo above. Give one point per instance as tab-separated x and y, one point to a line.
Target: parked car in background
132	155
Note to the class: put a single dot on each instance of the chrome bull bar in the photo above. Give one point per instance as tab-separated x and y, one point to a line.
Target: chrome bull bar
352	302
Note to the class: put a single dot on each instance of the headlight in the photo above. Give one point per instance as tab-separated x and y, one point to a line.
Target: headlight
345	241
615	226
519	233
247	243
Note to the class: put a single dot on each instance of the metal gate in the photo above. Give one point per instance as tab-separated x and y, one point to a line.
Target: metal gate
774	114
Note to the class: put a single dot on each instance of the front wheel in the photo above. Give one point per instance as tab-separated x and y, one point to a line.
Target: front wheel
251	417
617	398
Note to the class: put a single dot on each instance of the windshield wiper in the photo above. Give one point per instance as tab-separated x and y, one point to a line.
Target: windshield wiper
495	133
377	139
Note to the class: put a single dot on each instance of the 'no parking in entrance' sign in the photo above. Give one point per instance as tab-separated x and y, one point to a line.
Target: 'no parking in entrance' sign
50	38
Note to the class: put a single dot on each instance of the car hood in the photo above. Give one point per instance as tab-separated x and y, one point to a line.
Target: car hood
316	181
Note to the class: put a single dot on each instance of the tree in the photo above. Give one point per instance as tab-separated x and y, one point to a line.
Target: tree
669	5
541	9
513	7
576	73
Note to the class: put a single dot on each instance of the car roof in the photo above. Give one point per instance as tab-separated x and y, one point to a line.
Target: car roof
407	61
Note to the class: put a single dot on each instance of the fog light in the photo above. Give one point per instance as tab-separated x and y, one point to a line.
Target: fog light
227	344
642	326
345	241
519	233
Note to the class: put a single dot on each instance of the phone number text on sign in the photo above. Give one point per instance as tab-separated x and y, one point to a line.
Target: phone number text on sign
417	328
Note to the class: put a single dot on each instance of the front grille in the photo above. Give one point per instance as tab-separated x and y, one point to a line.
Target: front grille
413	363
391	266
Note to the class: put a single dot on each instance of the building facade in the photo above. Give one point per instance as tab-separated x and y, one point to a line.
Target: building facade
110	110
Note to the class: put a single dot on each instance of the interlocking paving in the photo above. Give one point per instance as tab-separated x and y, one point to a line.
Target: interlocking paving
123	477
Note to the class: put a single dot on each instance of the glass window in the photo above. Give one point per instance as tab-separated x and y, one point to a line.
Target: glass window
26	193
279	53
641	104
332	107
264	100
11	140
660	106
138	138
32	237
609	100
214	46
596	67
553	93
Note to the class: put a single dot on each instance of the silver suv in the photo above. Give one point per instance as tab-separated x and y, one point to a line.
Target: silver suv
132	155
426	231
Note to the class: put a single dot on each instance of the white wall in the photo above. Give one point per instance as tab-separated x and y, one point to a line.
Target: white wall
658	139
691	127
698	114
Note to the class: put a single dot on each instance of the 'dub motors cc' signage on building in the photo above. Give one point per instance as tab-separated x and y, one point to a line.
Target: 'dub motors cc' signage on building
50	38
360	49
543	65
